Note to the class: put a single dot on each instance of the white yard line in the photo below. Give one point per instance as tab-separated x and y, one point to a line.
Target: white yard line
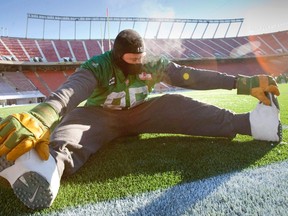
261	191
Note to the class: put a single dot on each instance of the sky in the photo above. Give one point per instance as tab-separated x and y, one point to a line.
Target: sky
260	16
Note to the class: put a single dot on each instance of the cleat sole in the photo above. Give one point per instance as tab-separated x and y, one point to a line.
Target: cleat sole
33	190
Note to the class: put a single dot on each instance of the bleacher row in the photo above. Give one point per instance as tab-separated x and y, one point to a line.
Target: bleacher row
29	84
47	81
20	49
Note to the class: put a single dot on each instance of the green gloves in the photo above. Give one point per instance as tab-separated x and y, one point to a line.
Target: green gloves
21	132
257	86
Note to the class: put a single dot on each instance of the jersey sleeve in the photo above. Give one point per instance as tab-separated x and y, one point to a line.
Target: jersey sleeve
78	87
199	79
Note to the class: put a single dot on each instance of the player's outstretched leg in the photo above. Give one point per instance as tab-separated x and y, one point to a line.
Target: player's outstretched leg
265	121
34	181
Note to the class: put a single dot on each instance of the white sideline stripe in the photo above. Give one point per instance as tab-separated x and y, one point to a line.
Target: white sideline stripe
261	191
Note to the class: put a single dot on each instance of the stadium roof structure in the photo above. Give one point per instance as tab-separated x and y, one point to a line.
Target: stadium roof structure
205	28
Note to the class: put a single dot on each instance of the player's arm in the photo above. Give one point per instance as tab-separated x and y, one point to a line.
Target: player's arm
76	89
21	132
192	78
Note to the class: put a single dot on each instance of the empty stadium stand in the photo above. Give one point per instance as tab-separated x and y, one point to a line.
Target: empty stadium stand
62	47
42	65
81	50
49	52
93	47
16	88
40	84
31	48
47	81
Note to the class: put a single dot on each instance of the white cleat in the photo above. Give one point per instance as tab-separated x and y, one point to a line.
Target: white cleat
265	121
34	181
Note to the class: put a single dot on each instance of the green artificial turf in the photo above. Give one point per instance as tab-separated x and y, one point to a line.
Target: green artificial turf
147	162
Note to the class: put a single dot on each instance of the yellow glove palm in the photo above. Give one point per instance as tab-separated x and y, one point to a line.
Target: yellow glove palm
259	93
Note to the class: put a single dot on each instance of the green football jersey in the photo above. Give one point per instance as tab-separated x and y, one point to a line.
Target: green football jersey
116	91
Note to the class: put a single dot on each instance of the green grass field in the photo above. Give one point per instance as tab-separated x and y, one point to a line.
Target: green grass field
147	162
